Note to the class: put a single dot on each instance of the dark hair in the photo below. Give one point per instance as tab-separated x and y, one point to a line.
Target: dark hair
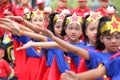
84	27
99	44
64	25
52	22
2	46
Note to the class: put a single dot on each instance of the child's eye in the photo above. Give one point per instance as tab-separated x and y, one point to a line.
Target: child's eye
70	28
92	29
108	37
118	37
58	26
40	20
77	28
35	20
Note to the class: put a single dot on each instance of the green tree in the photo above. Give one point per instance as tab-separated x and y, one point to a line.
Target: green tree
117	5
73	4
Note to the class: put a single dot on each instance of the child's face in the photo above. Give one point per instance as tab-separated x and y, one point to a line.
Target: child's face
38	21
25	1
91	32
61	4
82	3
104	3
1	56
58	28
111	42
74	31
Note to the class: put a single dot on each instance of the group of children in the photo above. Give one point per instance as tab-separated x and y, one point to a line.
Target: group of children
64	47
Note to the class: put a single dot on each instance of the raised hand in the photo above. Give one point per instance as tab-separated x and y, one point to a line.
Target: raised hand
15	28
5	24
2	20
5	27
69	75
18	18
25	46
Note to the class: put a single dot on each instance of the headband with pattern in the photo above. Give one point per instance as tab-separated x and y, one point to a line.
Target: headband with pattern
94	16
37	13
113	26
59	17
74	19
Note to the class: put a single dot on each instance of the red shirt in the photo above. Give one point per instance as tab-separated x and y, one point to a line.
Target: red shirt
102	10
1	33
5	69
7	7
20	10
59	10
80	12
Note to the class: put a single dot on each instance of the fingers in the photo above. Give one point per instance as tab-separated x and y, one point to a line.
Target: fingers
20	48
64	76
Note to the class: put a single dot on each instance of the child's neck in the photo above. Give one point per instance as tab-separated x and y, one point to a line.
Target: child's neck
74	41
108	51
92	44
1	59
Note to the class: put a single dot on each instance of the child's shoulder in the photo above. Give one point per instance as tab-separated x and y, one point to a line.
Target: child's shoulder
3	62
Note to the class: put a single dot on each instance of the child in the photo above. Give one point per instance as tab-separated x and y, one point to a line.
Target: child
109	67
33	54
111	10
82	10
5	69
89	28
61	6
102	8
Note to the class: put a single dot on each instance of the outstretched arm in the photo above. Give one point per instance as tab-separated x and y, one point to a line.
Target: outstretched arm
41	44
92	74
70	48
89	75
27	23
22	30
9	22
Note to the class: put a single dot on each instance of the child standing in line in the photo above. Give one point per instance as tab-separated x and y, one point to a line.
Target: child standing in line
102	8
89	28
33	60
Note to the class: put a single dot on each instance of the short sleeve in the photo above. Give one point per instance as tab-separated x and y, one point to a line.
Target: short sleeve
112	66
95	59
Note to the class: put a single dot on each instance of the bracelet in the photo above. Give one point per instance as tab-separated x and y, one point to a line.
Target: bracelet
21	32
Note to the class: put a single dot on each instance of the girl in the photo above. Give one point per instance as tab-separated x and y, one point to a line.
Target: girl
107	41
109	67
89	28
33	54
5	69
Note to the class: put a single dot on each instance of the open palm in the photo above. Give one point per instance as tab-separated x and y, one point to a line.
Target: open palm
25	46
